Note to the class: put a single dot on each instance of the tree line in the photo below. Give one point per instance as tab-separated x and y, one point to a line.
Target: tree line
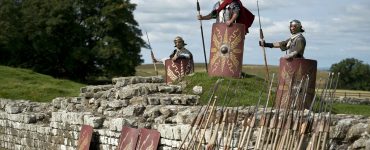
354	74
74	39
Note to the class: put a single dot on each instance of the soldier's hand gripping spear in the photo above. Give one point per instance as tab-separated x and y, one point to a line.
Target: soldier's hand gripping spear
201	30
262	44
152	54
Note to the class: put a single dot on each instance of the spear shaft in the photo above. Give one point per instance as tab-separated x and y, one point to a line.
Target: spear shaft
151	53
263	47
201	30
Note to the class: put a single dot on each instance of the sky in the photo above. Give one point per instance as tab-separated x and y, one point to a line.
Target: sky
334	29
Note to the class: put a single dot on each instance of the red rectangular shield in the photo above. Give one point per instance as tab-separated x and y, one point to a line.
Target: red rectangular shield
128	138
84	138
177	69
227	46
148	140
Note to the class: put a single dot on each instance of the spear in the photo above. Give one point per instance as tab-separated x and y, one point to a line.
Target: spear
233	124
201	116
300	115
272	120
249	125
327	126
263	47
253	122
290	115
263	117
323	119
151	54
212	142
305	125
275	119
201	30
317	124
205	126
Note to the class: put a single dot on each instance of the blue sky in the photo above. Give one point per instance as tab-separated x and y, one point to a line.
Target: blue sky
335	29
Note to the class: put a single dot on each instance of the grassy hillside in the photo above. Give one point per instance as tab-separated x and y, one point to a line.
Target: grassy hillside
25	84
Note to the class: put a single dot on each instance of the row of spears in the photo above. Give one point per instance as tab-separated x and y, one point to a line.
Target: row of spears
300	124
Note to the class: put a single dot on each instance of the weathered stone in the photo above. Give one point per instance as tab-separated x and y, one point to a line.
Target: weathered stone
95	122
340	130
138	100
115	104
359	144
152	112
356	131
12	109
197	90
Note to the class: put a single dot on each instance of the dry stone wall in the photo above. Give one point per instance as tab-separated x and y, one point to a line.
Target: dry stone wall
139	102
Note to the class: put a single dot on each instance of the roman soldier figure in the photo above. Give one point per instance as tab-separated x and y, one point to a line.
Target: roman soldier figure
179	63
295	45
230	11
294	69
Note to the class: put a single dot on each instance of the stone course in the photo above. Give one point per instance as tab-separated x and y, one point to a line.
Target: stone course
139	102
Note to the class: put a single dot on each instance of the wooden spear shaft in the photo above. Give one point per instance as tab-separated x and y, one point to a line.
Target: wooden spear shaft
205	126
201	30
267	77
215	88
327	126
212	142
152	54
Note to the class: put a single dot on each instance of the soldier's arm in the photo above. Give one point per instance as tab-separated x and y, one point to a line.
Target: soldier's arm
233	18
206	17
270	45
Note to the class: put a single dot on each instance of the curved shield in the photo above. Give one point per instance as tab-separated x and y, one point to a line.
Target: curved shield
177	69
84	139
128	138
290	74
226	54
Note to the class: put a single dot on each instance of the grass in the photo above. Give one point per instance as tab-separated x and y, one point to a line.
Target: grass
240	92
351	109
25	84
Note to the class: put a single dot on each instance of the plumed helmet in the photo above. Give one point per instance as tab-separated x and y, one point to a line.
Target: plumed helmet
297	23
179	38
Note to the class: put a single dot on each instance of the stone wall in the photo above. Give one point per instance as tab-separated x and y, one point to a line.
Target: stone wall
139	102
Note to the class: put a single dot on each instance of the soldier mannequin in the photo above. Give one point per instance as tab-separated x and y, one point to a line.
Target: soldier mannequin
295	44
227	15
179	53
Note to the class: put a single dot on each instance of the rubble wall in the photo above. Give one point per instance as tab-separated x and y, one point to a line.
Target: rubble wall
138	102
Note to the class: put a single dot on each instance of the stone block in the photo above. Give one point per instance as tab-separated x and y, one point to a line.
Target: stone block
95	122
12	109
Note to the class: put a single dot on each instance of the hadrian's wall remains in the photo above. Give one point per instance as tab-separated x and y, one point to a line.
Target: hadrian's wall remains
138	102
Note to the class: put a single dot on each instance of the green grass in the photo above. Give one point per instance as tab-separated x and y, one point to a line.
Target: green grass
242	92
351	109
25	84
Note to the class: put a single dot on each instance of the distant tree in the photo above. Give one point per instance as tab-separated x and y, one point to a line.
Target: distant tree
354	74
71	39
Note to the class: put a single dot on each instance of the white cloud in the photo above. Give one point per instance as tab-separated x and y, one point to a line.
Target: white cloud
335	29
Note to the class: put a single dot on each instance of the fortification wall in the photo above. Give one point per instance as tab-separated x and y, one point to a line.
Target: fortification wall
139	102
